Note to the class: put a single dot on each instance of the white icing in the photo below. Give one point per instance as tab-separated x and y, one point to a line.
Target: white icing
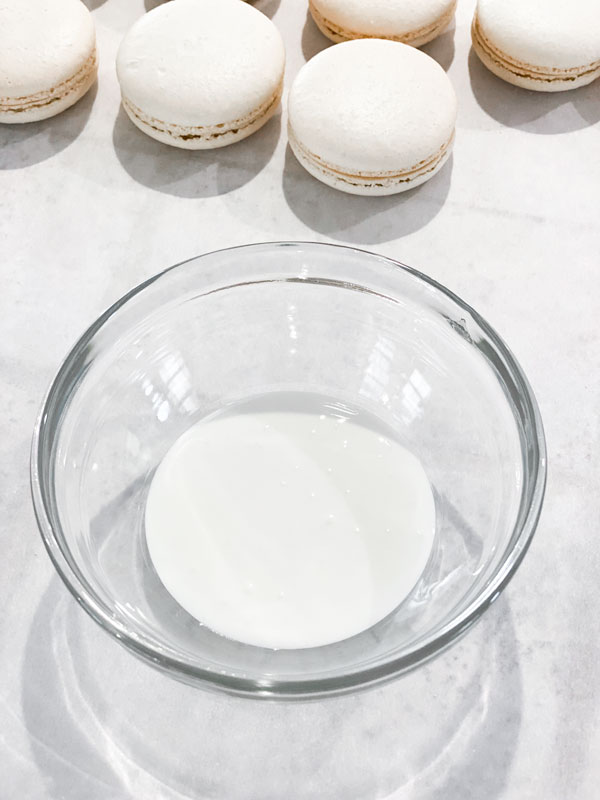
545	33
201	62
383	17
371	105
282	528
42	44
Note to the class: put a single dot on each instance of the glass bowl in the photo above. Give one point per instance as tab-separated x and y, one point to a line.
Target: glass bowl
336	321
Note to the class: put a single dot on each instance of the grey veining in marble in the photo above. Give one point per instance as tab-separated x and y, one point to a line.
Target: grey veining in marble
89	207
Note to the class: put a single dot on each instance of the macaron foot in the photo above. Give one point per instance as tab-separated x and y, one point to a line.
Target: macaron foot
369	185
416	37
526	75
43	105
203	137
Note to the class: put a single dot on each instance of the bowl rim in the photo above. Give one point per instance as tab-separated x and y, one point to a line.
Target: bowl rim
296	688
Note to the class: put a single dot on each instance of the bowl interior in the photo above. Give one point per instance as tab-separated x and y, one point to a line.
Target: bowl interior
278	318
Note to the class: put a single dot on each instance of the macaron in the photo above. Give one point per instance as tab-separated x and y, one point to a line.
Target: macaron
410	21
545	45
201	74
372	117
47	57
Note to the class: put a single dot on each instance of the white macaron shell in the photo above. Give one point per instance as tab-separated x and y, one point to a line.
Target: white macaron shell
201	62
383	17
42	44
544	33
372	106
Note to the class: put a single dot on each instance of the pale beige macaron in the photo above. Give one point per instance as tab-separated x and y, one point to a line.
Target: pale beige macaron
47	57
413	22
372	117
200	74
544	45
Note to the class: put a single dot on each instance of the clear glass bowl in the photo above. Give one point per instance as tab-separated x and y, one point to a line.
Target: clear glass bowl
278	317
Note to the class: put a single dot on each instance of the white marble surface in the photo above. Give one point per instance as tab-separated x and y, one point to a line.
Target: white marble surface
89	208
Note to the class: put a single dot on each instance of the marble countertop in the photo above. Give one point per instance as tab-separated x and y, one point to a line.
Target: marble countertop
89	208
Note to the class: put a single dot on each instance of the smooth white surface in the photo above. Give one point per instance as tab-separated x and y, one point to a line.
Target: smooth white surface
372	106
89	208
387	17
286	528
544	33
201	62
42	44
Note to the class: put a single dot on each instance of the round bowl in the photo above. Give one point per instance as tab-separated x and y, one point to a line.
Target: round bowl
227	326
